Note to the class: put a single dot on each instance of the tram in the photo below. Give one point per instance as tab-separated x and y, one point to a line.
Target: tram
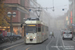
35	31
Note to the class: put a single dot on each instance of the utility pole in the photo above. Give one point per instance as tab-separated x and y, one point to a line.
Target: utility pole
73	11
73	17
53	5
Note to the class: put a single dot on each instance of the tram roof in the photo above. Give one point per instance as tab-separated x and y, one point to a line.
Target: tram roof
34	22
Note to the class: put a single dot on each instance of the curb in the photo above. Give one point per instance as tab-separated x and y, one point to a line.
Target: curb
15	42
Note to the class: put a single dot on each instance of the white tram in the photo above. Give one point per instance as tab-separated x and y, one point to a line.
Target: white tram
35	31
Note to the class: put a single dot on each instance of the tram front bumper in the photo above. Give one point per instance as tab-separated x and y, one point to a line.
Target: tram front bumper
31	41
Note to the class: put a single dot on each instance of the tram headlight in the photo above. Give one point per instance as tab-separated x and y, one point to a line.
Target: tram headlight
27	37
34	37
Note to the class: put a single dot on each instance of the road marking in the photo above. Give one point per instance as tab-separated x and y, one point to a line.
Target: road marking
57	44
12	46
18	48
24	47
63	44
28	48
48	45
67	47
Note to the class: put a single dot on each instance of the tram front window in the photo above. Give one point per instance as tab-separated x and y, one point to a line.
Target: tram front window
30	29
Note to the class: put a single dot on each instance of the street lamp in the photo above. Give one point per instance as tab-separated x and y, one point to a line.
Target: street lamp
11	15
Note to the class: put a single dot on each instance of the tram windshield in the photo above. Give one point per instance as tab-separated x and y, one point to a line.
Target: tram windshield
30	29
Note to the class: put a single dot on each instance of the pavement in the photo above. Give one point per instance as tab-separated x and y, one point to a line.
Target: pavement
74	39
7	44
56	43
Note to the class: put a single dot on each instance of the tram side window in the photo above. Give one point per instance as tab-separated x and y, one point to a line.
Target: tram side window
39	29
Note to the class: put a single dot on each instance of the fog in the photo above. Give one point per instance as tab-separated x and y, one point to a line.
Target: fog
58	6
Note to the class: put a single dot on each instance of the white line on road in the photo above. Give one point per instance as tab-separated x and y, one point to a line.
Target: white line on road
63	44
48	45
67	47
12	46
57	44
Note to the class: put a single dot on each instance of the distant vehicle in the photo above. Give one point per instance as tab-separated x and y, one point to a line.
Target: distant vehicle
13	35
62	32
8	36
36	31
67	35
17	36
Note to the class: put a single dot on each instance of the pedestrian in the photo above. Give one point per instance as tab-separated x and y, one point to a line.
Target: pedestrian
52	35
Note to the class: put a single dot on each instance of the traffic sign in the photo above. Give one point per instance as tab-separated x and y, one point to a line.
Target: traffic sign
29	9
62	9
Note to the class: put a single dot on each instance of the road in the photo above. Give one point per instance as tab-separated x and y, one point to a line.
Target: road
51	44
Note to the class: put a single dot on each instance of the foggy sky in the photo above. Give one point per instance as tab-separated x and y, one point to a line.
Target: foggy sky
58	4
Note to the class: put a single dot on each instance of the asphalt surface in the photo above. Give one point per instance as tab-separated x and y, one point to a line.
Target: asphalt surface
56	43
